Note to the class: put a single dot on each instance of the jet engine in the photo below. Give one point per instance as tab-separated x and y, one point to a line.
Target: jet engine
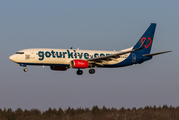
79	64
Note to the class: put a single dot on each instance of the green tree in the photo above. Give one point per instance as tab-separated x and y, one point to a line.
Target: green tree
165	107
60	112
35	112
154	108
146	107
104	109
95	110
10	115
70	111
79	111
48	112
18	113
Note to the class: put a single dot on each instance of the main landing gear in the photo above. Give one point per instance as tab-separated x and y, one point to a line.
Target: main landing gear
80	72
91	71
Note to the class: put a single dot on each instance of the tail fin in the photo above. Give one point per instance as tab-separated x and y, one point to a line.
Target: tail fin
147	37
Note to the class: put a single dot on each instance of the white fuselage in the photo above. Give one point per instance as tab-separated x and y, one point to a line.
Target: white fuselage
44	56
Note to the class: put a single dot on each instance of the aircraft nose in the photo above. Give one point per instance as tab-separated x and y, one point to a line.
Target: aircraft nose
12	58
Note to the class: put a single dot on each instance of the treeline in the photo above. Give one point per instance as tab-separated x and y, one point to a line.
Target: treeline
147	113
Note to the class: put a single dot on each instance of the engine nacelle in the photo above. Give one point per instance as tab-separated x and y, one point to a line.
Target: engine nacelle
58	68
79	64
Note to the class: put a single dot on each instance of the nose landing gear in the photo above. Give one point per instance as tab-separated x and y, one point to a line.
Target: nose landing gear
23	65
25	69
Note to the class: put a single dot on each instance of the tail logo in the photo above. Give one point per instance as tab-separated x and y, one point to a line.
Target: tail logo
148	42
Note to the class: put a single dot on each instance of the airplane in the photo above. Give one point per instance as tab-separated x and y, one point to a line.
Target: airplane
63	59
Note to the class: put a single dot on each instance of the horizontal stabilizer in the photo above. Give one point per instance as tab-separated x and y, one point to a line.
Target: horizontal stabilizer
149	55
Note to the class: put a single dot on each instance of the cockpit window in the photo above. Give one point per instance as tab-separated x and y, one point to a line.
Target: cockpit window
19	52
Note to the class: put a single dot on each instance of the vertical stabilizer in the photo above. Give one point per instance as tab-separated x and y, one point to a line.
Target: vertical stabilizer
148	37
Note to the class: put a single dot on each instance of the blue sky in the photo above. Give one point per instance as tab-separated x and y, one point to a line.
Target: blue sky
100	25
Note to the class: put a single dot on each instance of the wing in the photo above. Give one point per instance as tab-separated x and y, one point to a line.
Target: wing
99	60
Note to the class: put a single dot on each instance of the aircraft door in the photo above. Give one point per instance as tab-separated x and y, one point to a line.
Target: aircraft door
32	54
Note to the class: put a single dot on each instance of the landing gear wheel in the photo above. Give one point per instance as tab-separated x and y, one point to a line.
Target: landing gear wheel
25	69
79	72
91	71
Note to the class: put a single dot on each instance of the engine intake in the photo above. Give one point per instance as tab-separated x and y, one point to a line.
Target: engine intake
79	64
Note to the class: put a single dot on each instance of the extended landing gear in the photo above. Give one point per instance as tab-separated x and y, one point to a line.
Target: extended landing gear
23	65
25	69
91	71
79	72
